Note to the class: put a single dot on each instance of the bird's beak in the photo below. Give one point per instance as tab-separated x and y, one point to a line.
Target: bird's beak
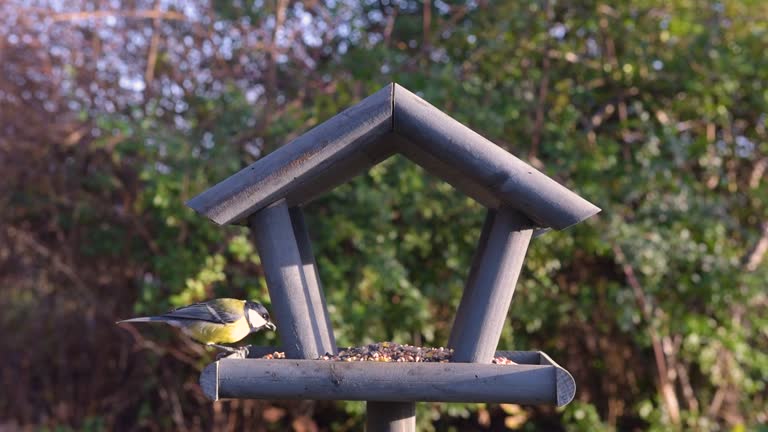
271	326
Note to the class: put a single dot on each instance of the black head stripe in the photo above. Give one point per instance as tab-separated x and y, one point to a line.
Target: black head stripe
246	307
258	307
261	309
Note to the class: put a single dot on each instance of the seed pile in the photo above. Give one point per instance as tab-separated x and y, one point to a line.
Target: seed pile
502	360
392	352
275	355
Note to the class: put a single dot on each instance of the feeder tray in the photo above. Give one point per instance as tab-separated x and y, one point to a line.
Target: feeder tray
535	379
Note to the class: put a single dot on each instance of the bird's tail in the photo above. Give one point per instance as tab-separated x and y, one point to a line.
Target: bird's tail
145	319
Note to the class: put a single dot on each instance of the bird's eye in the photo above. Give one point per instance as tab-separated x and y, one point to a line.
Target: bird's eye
265	316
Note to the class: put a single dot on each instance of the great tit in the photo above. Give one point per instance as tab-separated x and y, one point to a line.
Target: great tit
216	321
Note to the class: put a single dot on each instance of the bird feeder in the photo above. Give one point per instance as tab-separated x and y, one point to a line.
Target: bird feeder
268	196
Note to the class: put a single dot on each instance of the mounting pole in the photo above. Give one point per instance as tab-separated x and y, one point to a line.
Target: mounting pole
491	284
298	303
390	416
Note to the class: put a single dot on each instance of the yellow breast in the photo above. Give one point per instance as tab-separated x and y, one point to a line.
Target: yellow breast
208	332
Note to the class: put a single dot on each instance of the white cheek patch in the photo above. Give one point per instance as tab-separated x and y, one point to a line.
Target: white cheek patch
255	319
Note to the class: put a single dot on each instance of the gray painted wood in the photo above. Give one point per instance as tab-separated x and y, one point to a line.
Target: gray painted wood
392	120
565	385
447	172
469	285
209	381
511	180
381	382
300	164
485	303
294	300
363	135
390	417
314	289
342	171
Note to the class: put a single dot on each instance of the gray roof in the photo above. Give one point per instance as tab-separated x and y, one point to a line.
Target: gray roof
392	120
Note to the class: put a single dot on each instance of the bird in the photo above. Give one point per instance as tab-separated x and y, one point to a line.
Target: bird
217	321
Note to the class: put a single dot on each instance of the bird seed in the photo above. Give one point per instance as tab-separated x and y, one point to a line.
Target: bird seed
392	352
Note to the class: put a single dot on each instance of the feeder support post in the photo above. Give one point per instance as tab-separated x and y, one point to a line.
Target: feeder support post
312	278
490	286
298	304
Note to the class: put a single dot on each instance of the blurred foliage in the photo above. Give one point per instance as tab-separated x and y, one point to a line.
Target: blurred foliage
655	111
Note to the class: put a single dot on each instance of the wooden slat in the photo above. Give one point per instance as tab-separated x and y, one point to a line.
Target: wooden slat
300	164
486	299
382	382
354	140
342	171
446	172
565	385
506	177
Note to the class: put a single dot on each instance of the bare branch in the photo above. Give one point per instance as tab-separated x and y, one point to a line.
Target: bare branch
665	385
755	256
758	173
137	14
149	74
538	125
426	24
390	26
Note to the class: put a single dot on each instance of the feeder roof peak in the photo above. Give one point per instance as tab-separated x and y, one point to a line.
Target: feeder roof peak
392	120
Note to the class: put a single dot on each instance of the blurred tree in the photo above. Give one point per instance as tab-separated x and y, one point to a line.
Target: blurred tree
114	113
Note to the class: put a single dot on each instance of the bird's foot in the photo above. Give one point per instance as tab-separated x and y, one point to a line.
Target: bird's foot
236	353
223	347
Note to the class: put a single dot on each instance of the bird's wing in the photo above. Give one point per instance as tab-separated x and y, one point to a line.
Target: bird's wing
216	312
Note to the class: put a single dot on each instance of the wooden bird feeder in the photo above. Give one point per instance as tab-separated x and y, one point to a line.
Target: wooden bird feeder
268	196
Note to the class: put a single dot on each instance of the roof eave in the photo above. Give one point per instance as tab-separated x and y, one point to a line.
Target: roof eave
349	139
512	181
389	121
